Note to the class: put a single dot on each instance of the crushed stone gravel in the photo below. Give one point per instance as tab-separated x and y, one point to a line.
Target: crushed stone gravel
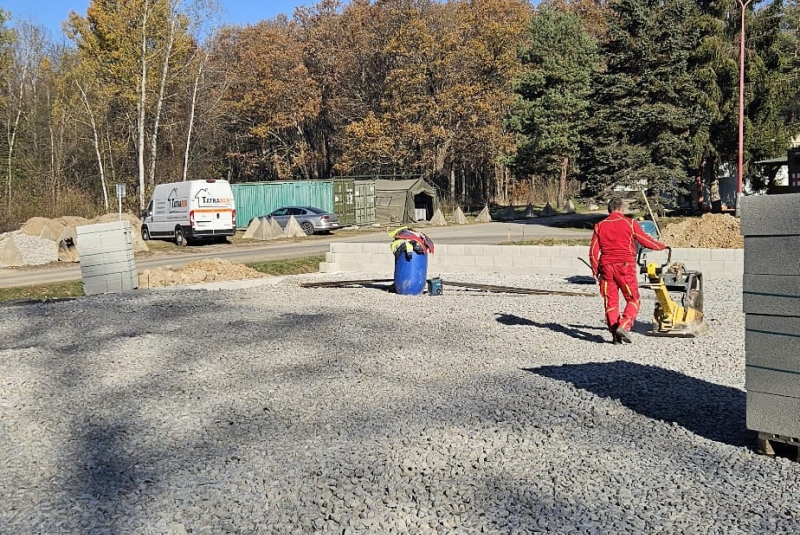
282	409
33	251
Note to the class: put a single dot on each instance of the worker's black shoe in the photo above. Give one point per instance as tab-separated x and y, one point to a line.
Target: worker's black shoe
624	335
616	340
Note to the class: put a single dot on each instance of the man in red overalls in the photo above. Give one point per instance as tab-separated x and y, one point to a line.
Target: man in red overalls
613	257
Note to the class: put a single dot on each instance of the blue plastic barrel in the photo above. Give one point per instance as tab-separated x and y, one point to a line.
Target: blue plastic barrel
410	273
650	228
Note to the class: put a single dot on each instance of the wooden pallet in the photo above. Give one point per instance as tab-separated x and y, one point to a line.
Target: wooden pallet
769	444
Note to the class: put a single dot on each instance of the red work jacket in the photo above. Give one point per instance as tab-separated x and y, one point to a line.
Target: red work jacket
614	241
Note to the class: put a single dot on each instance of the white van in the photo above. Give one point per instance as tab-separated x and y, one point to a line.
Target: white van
193	210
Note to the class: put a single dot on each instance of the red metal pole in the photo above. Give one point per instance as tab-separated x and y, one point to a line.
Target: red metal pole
740	162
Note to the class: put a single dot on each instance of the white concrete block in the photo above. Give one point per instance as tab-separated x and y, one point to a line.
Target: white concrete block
453	250
509	250
503	261
345	247
562	263
527	262
716	255
329	267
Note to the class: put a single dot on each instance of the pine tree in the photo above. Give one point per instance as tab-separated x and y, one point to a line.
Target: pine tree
554	89
650	118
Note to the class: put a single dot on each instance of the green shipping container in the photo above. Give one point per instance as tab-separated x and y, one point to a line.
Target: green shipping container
365	202
354	201
254	199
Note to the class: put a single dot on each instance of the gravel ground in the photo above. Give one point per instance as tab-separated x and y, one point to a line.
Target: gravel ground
281	409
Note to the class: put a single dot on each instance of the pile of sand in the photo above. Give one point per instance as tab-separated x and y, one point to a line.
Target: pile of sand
209	270
51	229
711	231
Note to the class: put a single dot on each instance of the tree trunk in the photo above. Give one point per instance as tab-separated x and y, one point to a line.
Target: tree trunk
141	106
463	182
562	183
440	159
111	157
11	133
160	103
452	183
192	109
96	144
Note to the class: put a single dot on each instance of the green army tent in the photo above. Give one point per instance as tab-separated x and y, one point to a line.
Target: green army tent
404	201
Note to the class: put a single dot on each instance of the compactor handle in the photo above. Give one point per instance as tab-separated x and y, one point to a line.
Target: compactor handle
641	259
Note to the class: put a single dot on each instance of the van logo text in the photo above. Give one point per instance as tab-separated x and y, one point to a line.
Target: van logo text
215	200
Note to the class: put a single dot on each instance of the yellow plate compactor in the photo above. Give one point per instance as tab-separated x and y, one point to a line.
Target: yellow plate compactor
679	294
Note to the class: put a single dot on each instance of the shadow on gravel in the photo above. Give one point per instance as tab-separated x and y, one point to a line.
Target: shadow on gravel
566	221
569	330
581	279
107	472
710	410
511	319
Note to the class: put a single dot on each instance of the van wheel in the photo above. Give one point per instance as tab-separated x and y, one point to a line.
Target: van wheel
145	234
308	228
180	239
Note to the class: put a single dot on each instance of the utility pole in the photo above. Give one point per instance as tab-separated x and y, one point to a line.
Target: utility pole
740	162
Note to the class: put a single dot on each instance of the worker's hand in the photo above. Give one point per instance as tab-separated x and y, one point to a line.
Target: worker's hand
598	277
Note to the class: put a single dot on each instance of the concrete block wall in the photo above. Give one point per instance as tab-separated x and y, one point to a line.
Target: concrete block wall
516	260
771	303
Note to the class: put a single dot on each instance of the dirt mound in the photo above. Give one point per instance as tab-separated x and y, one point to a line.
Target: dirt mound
42	227
711	231
113	217
73	220
209	270
58	229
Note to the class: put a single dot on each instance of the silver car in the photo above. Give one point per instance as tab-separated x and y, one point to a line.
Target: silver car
311	219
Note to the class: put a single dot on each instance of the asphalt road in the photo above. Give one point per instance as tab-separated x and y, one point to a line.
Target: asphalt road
482	233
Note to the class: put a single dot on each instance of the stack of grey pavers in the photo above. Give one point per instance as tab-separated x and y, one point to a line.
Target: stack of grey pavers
771	300
106	256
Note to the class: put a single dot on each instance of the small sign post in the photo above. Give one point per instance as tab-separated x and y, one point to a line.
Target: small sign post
120	195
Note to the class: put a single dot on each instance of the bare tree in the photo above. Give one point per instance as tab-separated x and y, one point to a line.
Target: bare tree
160	101
95	142
142	104
27	56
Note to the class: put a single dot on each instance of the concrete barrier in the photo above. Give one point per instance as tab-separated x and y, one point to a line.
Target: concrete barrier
377	258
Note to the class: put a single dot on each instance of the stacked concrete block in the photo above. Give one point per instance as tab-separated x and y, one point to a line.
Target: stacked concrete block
514	260
771	302
106	256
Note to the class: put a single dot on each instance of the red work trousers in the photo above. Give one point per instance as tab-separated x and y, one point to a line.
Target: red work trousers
616	278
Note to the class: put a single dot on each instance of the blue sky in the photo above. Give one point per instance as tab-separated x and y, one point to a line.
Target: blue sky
50	13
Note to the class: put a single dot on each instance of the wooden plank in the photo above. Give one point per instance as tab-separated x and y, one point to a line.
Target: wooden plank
771	444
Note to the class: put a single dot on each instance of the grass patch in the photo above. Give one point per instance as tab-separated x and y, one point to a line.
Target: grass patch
550	242
42	292
290	266
159	246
